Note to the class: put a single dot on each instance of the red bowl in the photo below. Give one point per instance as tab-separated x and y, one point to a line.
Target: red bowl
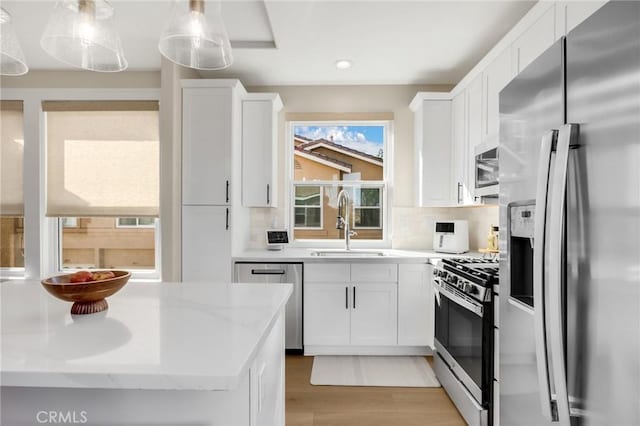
88	297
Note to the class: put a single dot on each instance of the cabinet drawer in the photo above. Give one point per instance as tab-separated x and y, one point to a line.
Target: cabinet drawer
327	272
372	273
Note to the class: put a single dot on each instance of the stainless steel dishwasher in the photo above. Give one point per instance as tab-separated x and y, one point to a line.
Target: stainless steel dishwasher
275	273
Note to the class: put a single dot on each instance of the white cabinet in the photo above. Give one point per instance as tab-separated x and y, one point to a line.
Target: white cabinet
476	111
361	310
211	113
569	14
496	76
432	145
207	118
415	305
206	242
462	184
374	314
260	149
535	40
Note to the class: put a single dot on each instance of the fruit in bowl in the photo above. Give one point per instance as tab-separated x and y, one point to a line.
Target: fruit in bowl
87	290
85	276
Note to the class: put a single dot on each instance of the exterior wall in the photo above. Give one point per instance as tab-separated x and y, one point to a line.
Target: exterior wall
312	170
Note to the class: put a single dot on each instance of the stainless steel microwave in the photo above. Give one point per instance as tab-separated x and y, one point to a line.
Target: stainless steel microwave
486	169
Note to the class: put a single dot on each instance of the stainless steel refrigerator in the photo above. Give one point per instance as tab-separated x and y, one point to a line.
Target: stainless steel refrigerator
569	315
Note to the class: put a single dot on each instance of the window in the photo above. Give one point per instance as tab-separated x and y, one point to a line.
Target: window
135	222
11	181
103	183
329	157
308	207
367	209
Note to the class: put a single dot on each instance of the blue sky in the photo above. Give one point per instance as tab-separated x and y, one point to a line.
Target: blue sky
367	139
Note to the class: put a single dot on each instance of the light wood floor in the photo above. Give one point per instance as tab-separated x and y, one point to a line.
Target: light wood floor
308	405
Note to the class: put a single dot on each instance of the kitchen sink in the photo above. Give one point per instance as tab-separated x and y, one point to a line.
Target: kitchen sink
347	253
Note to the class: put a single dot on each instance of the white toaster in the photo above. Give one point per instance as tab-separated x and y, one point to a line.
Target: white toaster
451	236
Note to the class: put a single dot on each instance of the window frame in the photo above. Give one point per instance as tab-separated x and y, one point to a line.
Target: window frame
386	185
42	233
321	206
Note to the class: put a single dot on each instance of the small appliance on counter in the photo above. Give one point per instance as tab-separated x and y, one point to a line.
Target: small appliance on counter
451	236
277	239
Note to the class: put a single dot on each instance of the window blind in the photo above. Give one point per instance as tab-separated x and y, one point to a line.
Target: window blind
11	158
102	162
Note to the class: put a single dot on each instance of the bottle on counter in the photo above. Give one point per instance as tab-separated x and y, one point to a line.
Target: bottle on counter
492	238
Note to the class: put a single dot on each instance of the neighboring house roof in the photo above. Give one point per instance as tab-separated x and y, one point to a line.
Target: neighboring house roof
323	159
299	140
311	145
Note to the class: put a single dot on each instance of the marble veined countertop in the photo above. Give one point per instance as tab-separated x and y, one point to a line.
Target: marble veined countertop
153	336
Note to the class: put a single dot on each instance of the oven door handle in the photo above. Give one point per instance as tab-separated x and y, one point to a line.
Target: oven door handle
469	305
539	237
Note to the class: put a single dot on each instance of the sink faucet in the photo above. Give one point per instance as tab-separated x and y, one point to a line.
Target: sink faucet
343	222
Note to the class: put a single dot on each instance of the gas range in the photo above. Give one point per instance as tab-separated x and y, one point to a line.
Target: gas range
472	276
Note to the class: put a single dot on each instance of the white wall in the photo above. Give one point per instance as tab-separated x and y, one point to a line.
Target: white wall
411	226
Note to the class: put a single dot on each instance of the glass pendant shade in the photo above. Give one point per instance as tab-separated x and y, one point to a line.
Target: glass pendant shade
196	39
12	60
81	33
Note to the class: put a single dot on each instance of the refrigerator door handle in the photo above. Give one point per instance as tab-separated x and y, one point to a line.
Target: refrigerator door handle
567	138
542	361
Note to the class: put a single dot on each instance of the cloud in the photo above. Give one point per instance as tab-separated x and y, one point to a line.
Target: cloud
341	135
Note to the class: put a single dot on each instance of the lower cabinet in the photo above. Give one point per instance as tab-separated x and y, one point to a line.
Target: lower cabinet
368	309
415	302
374	314
327	314
350	314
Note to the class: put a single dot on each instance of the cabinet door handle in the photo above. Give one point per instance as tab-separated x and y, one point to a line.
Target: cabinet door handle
268	199
227	219
354	297
227	192
346	297
459	185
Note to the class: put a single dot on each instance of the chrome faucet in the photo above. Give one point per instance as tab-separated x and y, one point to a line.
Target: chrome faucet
343	222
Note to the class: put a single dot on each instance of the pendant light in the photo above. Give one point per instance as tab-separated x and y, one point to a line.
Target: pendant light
195	39
11	57
81	33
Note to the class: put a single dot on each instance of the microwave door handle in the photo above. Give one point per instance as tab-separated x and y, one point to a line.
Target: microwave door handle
567	138
542	361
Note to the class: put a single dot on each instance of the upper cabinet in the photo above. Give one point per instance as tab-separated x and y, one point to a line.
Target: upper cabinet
535	39
432	145
497	75
461	178
260	149
207	120
571	13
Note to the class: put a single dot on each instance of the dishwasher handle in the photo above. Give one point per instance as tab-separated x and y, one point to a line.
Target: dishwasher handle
268	272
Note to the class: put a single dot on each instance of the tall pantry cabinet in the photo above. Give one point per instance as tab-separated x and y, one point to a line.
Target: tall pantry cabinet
211	156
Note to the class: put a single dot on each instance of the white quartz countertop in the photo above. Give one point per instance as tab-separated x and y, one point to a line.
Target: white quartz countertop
290	254
153	336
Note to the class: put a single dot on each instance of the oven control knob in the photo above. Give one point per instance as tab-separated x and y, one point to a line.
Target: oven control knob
472	289
453	279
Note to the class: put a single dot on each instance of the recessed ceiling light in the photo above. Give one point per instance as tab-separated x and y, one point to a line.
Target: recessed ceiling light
343	64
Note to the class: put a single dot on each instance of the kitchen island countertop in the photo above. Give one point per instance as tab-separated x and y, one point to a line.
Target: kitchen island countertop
166	336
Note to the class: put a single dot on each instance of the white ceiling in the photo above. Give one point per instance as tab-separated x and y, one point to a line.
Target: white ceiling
297	42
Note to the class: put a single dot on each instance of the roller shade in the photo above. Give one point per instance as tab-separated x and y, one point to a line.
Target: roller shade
11	158
102	162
